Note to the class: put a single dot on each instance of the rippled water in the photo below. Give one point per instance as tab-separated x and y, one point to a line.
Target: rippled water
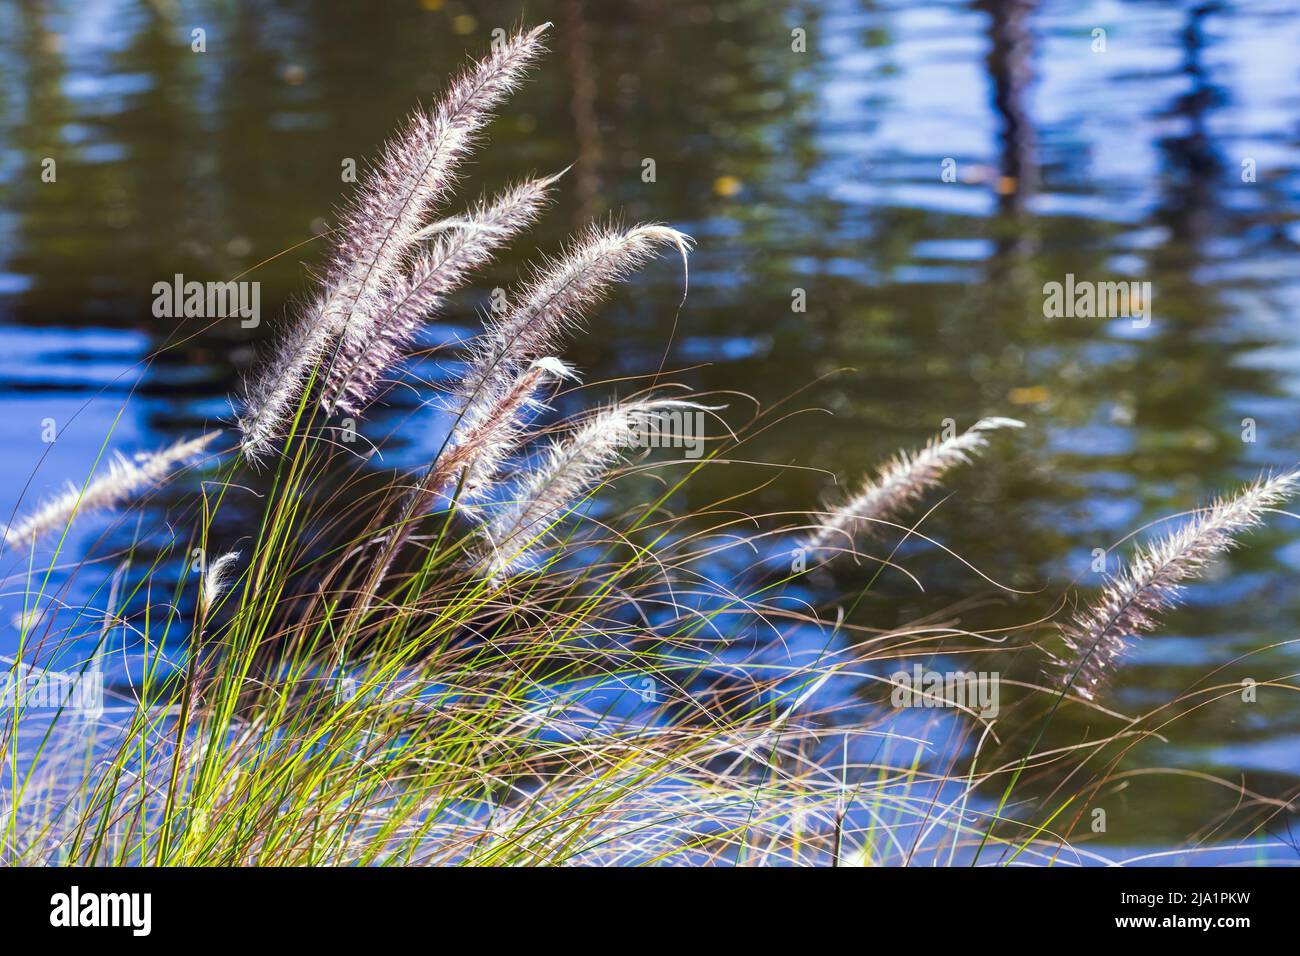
820	171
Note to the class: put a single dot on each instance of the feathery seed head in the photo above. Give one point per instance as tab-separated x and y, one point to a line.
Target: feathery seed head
902	481
216	579
556	301
123	479
570	468
376	245
1153	581
477	447
459	246
395	199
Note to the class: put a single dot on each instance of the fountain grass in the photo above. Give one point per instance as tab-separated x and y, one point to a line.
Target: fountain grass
398	670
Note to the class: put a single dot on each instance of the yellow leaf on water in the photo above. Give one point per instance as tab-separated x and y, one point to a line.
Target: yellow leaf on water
1029	395
726	186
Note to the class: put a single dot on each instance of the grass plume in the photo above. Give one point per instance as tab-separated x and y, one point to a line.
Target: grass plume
1133	599
569	469
901	483
124	479
376	245
457	248
561	293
